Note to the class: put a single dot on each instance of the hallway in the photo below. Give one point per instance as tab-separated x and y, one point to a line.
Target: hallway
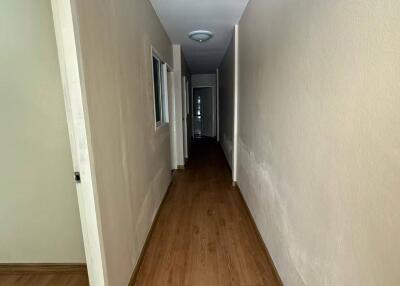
203	234
107	180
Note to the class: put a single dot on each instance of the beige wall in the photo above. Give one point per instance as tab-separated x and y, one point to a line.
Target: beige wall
226	100
132	159
319	137
39	218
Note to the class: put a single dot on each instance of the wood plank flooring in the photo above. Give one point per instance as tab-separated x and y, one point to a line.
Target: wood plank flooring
44	279
204	235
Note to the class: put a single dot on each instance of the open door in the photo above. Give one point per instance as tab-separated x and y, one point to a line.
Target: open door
78	126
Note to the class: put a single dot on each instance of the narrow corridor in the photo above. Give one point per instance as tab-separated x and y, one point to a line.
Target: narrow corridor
204	234
102	101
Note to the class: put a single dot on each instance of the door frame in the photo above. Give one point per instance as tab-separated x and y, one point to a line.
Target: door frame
217	103
236	107
172	119
184	117
213	102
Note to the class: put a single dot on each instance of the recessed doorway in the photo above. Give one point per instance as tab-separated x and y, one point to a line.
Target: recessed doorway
203	112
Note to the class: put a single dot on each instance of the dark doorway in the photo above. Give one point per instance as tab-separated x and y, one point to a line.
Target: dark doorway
202	112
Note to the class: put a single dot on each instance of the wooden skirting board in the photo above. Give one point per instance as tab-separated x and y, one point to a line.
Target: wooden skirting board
34	268
278	278
140	260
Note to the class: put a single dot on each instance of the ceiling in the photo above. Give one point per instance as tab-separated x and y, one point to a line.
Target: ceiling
180	17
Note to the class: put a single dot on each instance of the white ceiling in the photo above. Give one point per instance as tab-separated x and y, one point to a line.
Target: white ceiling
179	17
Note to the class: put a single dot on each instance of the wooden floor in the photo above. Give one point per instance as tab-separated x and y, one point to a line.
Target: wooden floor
44	279
204	235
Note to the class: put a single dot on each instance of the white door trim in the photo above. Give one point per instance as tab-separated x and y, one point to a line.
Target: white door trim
217	95
172	119
184	118
236	106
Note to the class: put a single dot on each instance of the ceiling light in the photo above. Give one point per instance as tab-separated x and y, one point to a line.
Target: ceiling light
200	36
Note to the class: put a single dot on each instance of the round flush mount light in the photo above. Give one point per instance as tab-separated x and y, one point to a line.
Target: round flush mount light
200	35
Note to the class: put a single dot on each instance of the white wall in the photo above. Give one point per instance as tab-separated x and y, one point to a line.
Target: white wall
208	80
226	101
39	218
132	159
319	137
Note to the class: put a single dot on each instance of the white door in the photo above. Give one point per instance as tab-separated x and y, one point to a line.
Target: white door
78	126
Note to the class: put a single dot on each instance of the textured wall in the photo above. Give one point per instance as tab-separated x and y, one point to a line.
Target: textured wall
39	217
226	100
319	137
132	159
